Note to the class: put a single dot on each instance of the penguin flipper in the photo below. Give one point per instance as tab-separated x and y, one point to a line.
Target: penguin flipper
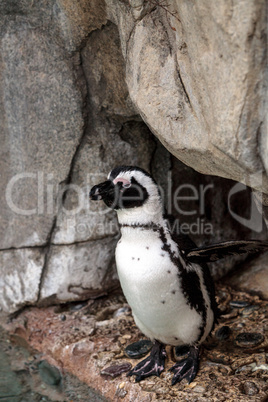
186	368
154	364
224	249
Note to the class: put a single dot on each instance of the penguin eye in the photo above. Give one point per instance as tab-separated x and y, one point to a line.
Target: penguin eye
126	185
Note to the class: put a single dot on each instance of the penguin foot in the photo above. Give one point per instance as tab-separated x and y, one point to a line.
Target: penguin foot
154	364
186	368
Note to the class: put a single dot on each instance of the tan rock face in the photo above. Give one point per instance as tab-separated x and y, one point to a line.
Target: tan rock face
197	79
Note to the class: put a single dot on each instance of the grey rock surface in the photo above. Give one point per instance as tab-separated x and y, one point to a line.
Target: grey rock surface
41	109
79	271
77	82
20	277
112	137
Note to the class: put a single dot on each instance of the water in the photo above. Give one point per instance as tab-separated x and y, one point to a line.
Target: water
26	377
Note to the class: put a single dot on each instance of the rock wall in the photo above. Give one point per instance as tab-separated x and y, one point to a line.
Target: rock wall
78	79
196	71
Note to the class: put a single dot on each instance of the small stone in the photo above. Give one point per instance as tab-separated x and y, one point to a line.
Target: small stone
116	369
238	303
229	316
250	388
223	333
104	358
200	389
192	385
121	385
120	392
261	367
63	317
121	311
138	349
83	348
127	336
247	369
49	374
76	307
249	339
249	310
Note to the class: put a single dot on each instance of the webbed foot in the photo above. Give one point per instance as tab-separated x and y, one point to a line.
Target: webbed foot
186	368
154	364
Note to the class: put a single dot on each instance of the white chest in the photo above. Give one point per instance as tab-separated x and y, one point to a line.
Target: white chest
151	284
143	268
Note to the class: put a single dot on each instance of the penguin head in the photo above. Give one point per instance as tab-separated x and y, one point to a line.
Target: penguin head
127	187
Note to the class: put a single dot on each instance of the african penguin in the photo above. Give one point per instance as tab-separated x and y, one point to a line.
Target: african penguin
164	278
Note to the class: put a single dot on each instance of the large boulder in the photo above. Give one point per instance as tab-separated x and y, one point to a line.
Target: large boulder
196	72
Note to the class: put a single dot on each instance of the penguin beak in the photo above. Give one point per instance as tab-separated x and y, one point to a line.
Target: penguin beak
102	190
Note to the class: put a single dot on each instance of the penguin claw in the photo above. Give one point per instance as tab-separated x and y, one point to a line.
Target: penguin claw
152	365
186	368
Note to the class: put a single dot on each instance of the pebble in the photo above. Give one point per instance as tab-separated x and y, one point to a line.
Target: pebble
83	348
121	311
232	314
63	317
120	393
200	389
250	388
126	336
76	307
261	367
223	333
238	303
116	369
192	385
249	310
49	374
247	369
138	349
103	358
249	339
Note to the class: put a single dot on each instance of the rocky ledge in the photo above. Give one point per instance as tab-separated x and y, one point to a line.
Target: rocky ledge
88	342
